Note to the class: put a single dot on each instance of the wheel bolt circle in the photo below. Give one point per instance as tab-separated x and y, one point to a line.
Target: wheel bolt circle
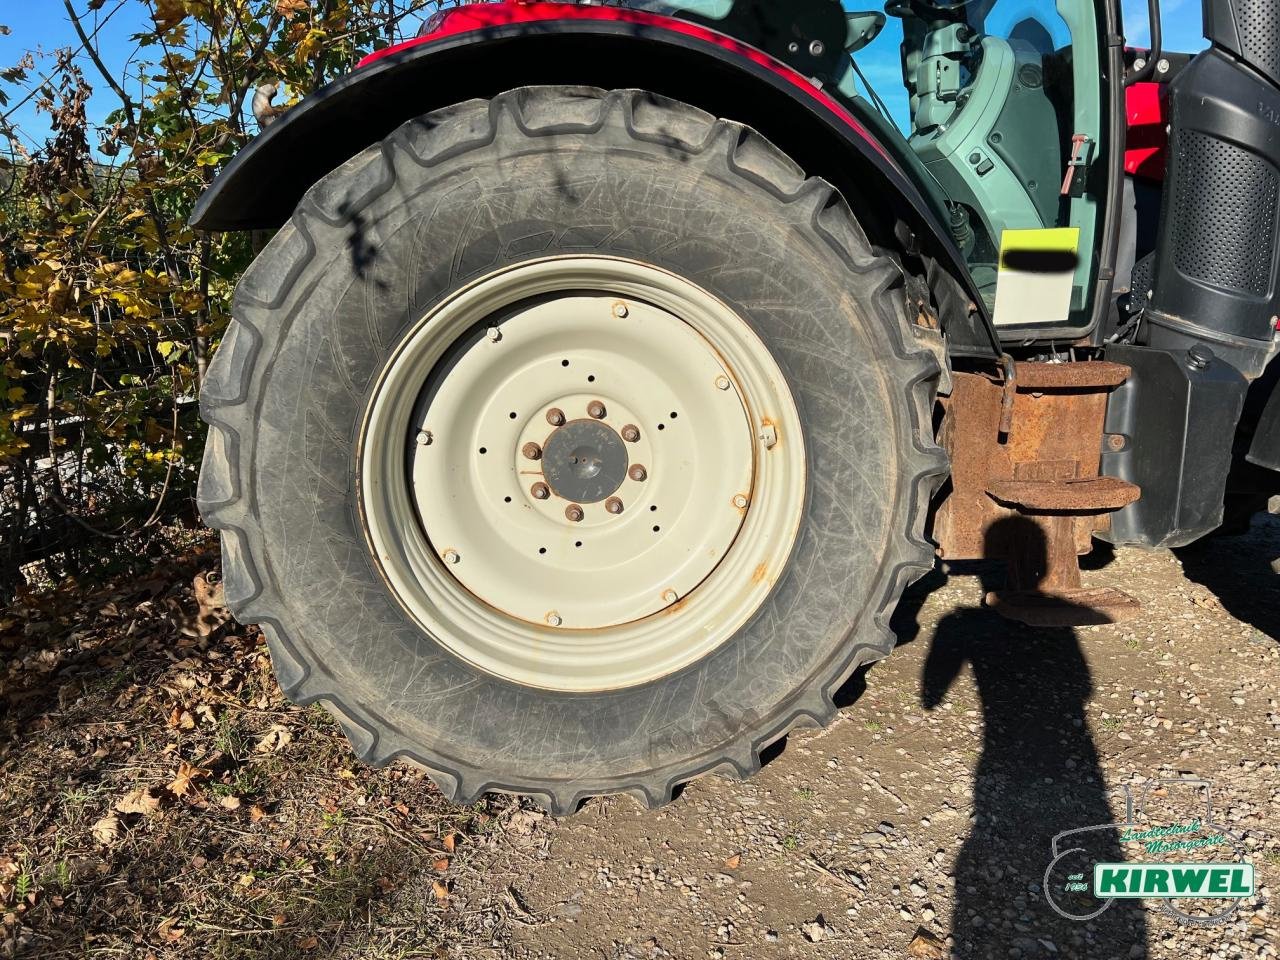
613	505
540	491
596	409
531	451
573	513
630	433
638	473
555	417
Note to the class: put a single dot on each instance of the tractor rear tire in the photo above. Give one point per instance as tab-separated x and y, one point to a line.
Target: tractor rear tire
541	249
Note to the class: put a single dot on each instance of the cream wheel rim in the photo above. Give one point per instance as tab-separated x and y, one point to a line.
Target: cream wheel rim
581	473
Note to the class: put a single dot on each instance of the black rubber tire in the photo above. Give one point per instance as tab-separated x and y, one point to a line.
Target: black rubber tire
533	172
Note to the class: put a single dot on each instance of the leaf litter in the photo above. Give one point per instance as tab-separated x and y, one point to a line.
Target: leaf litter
163	800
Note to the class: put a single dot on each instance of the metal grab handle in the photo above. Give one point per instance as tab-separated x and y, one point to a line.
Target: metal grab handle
1153	16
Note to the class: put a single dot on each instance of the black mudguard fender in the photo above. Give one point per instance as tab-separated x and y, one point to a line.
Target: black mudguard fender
611	48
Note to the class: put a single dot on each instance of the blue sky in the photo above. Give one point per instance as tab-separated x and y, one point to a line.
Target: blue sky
43	25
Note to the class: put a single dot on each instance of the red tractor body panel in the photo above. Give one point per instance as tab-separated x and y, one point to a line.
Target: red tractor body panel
1147	140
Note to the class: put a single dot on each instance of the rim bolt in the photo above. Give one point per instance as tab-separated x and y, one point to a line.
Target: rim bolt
555	417
493	334
451	556
670	596
424	438
740	500
631	433
531	451
638	473
573	513
722	383
620	309
540	491
553	619
596	409
613	505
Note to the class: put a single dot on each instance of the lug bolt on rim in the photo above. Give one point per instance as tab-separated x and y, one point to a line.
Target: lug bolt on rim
573	513
740	500
493	334
540	491
620	310
596	410
451	556
553	619
531	451
424	438
631	433
555	417
670	596
613	505
722	383
638	473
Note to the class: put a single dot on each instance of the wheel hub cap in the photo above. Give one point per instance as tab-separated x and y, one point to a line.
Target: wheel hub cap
584	461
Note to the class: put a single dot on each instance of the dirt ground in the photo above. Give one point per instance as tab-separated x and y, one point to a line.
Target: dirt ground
932	801
919	825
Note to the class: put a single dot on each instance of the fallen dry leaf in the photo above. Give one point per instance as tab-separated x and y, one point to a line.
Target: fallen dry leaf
442	864
925	946
140	801
230	803
212	612
256	813
524	822
450	841
308	943
184	781
815	930
733	862
441	889
274	739
107	830
168	931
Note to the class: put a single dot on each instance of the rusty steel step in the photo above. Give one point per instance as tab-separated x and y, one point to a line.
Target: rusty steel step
1070	608
1091	495
1085	375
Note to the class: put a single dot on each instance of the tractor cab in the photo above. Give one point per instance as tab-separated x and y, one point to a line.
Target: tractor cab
995	107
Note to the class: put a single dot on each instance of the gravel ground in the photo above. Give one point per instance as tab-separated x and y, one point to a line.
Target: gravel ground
920	823
160	800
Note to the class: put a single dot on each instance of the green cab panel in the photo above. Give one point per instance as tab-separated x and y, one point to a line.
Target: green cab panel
996	107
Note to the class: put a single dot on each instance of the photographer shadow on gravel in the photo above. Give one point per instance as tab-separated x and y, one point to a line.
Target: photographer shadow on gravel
1038	774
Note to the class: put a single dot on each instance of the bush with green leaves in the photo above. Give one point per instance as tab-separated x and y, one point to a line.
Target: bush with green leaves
109	303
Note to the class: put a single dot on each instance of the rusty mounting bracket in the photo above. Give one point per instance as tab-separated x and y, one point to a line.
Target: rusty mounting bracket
1007	393
1025	451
